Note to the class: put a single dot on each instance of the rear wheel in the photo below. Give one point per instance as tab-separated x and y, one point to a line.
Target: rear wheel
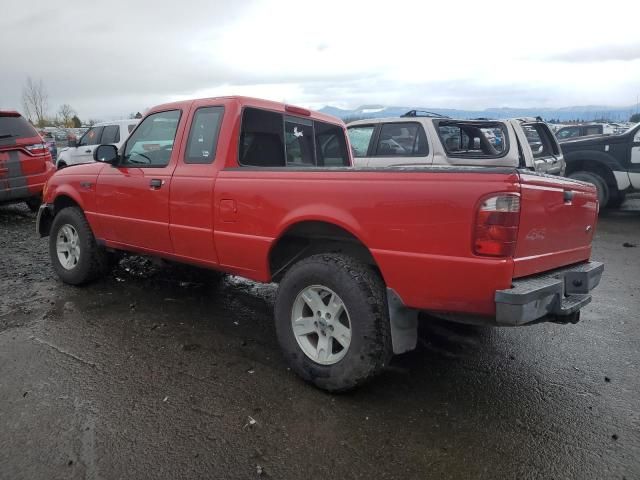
599	182
75	256
332	321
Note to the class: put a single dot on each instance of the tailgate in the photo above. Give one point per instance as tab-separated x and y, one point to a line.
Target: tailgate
557	222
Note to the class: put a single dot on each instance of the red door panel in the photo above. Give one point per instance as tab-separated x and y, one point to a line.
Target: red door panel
131	210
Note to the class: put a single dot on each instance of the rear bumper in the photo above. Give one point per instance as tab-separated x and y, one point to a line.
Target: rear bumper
555	296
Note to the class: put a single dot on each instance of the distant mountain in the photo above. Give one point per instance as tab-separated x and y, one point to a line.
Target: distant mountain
583	113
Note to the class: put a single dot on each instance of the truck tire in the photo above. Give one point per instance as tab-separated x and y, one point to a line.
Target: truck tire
616	199
598	181
75	256
332	321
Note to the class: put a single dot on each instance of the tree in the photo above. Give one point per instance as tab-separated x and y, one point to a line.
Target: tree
75	122
66	114
635	118
35	101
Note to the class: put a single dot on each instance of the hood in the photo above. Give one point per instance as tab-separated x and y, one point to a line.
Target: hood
591	141
81	169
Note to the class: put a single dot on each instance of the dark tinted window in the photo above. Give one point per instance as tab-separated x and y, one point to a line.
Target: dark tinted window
152	142
298	136
12	128
91	137
402	140
473	139
267	139
262	139
131	126
203	135
331	145
111	134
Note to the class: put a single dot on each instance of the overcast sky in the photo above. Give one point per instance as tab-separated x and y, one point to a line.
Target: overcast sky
108	59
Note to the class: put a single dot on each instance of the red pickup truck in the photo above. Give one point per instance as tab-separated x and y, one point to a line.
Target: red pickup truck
266	191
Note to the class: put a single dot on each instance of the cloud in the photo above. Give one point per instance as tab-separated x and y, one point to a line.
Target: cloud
599	54
108	60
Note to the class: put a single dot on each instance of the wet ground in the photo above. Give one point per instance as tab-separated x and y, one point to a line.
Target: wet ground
150	373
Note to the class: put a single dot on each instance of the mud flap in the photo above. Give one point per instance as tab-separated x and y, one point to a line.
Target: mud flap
404	324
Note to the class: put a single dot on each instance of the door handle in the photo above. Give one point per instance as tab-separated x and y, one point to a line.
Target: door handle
87	151
156	183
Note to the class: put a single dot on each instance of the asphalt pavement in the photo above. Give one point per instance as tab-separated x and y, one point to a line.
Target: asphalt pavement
154	373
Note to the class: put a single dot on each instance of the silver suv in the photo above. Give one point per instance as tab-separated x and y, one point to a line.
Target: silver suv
422	138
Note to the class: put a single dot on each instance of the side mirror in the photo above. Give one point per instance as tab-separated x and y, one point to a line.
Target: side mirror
73	142
106	154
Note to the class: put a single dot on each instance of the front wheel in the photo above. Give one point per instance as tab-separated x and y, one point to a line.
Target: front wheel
332	321
75	256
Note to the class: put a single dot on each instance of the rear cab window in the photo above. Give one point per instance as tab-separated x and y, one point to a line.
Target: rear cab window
473	139
272	139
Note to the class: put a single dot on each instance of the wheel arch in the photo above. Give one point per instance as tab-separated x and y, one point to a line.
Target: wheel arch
601	166
303	238
45	219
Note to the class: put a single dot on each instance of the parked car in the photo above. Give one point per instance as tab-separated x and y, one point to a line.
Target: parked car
417	138
25	161
266	191
81	151
585	130
610	162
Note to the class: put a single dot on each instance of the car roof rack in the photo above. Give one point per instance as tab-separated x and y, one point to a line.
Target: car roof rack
423	113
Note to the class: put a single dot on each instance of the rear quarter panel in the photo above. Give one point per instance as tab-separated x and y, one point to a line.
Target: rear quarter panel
417	225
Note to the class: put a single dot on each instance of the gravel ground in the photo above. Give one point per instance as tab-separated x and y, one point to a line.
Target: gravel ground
151	373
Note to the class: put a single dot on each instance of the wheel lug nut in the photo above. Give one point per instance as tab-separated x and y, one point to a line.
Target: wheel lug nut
328	315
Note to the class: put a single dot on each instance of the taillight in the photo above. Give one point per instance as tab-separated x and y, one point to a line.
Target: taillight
496	229
37	148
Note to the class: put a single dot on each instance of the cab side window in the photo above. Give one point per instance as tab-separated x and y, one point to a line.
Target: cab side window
402	140
151	143
111	134
91	137
271	139
203	135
